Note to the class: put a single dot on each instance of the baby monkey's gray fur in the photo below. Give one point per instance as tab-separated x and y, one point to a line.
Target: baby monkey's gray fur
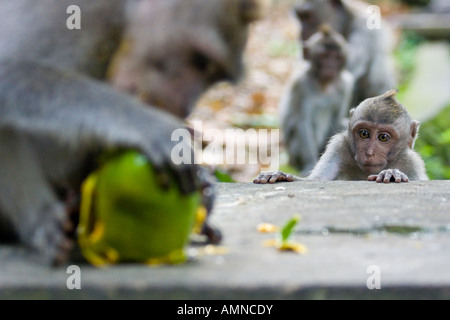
354	155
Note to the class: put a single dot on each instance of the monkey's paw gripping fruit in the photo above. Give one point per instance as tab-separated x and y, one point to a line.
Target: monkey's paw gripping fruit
126	216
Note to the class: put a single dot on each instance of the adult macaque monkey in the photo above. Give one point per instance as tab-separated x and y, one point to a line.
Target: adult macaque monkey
317	100
368	36
57	116
189	48
377	146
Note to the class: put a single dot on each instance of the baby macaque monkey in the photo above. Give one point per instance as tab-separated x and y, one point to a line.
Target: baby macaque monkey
318	99
378	146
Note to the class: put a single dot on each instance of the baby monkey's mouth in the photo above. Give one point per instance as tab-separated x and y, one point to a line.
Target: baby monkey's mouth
372	168
371	165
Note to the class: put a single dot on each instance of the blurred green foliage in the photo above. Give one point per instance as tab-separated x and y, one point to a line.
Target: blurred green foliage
256	121
286	168
434	138
405	58
283	48
223	176
421	3
434	145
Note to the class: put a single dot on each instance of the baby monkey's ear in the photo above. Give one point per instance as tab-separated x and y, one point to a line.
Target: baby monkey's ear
352	111
415	125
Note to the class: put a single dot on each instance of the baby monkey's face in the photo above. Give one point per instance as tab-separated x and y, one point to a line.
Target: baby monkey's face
374	143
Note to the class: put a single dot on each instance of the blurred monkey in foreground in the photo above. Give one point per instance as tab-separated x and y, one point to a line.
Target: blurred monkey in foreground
59	115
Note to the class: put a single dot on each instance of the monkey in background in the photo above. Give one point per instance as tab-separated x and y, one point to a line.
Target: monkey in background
173	77
369	47
377	146
318	99
58	114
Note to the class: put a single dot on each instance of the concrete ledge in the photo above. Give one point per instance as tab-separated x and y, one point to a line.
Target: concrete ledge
403	229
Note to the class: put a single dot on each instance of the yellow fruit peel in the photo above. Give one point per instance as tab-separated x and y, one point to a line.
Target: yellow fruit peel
267	228
283	241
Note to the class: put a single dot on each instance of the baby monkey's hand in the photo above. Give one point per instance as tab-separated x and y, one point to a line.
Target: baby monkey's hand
390	175
272	177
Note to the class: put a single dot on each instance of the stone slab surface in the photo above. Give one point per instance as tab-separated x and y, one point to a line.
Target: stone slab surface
401	229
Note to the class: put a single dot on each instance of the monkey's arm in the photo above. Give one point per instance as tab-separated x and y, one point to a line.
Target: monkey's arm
341	107
348	84
417	166
331	164
297	124
359	40
83	115
329	167
308	146
54	125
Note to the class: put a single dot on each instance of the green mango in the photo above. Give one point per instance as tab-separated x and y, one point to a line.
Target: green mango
126	216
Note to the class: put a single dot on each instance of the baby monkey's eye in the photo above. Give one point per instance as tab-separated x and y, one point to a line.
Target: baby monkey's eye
364	134
384	137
